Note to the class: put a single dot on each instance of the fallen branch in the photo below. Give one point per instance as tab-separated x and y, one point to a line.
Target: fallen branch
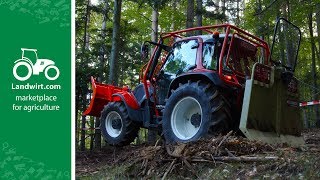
314	150
145	166
229	153
245	158
222	141
214	141
207	161
189	166
157	143
168	170
201	160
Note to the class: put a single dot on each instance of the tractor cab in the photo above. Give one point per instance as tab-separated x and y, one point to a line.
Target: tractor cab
200	54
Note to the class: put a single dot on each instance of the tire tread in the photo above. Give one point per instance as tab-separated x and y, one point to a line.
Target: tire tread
130	131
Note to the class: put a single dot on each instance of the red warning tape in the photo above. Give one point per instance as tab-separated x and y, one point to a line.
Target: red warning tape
310	103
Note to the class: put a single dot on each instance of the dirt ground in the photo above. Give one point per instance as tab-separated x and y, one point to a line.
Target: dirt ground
223	157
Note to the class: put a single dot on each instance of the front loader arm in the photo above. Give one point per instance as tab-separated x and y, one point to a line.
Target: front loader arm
105	93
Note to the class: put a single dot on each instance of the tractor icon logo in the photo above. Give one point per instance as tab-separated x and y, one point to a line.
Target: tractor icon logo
35	69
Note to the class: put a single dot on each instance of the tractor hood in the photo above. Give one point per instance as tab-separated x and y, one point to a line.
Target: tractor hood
46	61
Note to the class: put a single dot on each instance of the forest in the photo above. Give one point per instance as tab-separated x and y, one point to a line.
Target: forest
109	35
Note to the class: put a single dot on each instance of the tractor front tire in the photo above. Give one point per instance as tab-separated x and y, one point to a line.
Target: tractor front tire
116	126
193	111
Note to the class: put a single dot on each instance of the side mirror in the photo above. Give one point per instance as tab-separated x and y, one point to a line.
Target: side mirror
144	50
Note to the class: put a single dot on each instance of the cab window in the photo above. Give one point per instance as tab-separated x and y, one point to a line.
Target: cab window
211	54
209	61
182	58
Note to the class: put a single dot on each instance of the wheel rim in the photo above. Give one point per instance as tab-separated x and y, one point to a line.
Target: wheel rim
186	118
112	128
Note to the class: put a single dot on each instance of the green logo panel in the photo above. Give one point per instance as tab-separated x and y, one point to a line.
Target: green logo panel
35	102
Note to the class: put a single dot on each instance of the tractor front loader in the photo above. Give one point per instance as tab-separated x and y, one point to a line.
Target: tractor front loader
196	86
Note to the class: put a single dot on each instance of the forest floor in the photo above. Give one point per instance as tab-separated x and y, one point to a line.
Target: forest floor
223	157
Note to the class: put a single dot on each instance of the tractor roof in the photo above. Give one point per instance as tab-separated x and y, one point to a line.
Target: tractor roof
209	36
248	49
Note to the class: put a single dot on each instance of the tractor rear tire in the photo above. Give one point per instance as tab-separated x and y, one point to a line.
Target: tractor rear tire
116	126
194	110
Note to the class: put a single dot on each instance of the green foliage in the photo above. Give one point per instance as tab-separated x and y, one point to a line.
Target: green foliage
263	24
136	28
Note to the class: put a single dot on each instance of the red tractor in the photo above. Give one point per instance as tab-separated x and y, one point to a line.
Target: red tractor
207	84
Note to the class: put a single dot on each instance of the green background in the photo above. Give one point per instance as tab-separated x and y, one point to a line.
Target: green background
35	145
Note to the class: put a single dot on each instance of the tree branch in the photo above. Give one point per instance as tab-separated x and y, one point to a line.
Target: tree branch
266	8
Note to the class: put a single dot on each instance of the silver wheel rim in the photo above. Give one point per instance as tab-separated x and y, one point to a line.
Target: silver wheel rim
181	118
113	132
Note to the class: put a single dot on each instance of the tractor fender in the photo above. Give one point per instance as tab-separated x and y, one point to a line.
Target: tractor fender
195	76
24	59
128	98
132	106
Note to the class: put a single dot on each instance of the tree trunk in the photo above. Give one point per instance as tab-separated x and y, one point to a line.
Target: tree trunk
152	134
313	70
238	12
199	15
190	15
174	5
305	118
83	134
77	121
288	42
86	36
154	33
103	47
101	74
217	4
318	40
84	93
91	133
223	8
97	134
260	27
318	26
83	125
115	42
281	40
